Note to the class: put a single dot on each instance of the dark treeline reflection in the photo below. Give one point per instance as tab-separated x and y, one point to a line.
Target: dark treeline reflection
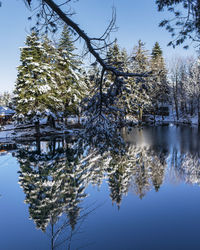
54	174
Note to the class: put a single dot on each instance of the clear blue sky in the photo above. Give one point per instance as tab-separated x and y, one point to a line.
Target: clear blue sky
136	19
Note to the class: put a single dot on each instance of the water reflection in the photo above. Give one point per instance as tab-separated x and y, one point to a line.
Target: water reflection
55	174
53	184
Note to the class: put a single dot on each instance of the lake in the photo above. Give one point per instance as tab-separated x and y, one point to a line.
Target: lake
55	197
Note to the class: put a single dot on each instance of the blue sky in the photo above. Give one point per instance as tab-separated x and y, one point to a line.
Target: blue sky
136	19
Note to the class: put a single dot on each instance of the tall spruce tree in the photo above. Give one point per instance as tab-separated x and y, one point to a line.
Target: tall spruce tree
114	58
156	51
160	88
119	59
69	73
33	89
139	63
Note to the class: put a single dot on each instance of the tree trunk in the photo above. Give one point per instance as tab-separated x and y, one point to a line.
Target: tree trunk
176	99
182	106
51	121
191	108
79	119
198	108
176	108
140	114
154	116
162	111
186	111
37	128
175	91
38	145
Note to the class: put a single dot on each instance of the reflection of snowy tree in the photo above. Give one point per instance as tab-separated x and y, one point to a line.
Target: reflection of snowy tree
191	168
139	168
142	172
149	170
55	175
186	167
51	183
119	175
158	166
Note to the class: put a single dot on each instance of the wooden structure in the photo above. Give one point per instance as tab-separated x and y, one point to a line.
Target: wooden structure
6	115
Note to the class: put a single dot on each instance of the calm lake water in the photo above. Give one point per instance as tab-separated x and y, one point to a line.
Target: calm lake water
51	197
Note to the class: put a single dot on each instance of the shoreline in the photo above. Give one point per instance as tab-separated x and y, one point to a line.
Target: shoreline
12	134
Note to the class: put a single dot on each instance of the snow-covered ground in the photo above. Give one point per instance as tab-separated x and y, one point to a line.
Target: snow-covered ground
190	120
172	119
12	132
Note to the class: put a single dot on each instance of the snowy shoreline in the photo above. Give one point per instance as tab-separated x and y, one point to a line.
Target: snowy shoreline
11	134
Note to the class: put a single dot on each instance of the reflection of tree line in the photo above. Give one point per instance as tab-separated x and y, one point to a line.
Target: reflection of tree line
53	185
54	176
138	170
185	166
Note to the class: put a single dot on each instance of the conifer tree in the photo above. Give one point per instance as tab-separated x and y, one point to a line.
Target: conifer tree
33	89
119	59
160	88
69	73
139	62
156	51
114	58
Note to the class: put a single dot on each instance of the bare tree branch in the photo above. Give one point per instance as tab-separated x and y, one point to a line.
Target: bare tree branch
64	17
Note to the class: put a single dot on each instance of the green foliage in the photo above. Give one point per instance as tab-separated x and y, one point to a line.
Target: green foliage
69	73
156	51
139	63
160	87
34	81
49	80
6	99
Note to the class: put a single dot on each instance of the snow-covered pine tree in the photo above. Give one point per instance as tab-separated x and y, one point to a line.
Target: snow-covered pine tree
33	89
126	100
6	99
115	59
93	77
160	88
156	51
54	103
118	58
69	74
193	88
139	63
102	111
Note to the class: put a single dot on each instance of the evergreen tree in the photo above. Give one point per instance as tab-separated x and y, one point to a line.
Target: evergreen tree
114	58
34	98
160	88
139	63
66	43
156	51
69	73
6	99
140	58
119	59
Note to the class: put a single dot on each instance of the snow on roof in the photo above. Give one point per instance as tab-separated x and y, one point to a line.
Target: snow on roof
6	111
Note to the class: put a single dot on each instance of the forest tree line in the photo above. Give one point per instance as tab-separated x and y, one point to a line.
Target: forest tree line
53	82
